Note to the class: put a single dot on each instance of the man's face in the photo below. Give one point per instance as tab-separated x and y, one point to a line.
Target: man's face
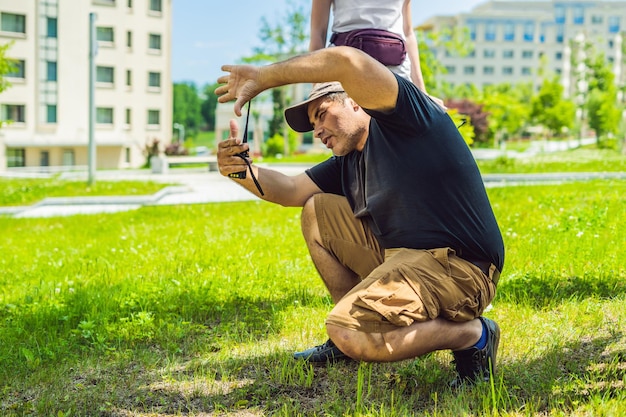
337	124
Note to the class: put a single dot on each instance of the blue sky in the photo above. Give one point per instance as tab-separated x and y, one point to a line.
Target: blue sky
209	33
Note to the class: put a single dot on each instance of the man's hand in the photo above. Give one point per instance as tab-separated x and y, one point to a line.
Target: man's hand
227	160
241	84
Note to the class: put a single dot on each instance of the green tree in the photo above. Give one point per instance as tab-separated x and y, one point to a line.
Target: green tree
550	109
7	66
209	106
507	107
187	107
453	41
603	113
281	40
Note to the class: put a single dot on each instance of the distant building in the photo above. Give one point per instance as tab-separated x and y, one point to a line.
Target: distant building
47	105
513	38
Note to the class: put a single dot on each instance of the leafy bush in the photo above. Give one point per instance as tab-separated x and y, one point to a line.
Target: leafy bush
276	144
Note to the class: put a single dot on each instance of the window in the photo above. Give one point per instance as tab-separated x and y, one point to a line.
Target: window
19	70
469	70
450	69
489	53
13	112
127	155
507	70
527	54
154	117
509	31
490	31
558	56
614	24
51	113
154	79
559	14
154	41
10	22
129	78
472	30
51	27
156	6
51	71
560	33
597	20
488	70
128	117
508	54
529	32
527	71
129	39
579	15
105	34
44	158
16	157
129	4
105	75
68	157
104	115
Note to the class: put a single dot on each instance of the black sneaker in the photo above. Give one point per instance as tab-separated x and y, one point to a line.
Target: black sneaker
473	364
324	353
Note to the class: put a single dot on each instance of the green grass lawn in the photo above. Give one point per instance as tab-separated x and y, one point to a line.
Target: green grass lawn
26	191
195	310
587	159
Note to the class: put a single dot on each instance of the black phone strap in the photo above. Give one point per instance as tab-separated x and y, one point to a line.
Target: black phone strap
245	155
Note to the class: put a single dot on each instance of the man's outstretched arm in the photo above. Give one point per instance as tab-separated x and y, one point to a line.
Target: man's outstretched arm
369	83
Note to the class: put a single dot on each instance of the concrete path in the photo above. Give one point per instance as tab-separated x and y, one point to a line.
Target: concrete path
198	186
193	186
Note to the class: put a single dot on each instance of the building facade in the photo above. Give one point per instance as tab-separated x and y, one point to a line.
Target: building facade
514	40
45	113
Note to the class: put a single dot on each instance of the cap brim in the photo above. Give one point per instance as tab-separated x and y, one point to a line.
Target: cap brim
297	116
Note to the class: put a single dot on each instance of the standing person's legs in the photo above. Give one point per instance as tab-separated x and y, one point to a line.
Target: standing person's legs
343	250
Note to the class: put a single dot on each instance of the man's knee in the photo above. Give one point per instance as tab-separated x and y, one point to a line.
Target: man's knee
308	220
368	347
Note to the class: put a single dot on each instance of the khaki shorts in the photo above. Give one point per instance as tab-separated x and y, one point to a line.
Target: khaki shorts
399	286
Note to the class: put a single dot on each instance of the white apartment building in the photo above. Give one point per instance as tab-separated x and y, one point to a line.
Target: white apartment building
45	113
514	39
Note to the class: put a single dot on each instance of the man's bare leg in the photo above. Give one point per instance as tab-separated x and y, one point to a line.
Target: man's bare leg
406	342
337	278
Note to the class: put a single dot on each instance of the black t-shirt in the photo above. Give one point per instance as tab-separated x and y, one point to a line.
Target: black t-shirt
416	182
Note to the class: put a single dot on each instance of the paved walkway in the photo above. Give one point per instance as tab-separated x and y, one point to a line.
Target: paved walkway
197	185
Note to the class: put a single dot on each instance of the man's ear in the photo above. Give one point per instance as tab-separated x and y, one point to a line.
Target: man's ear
355	106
